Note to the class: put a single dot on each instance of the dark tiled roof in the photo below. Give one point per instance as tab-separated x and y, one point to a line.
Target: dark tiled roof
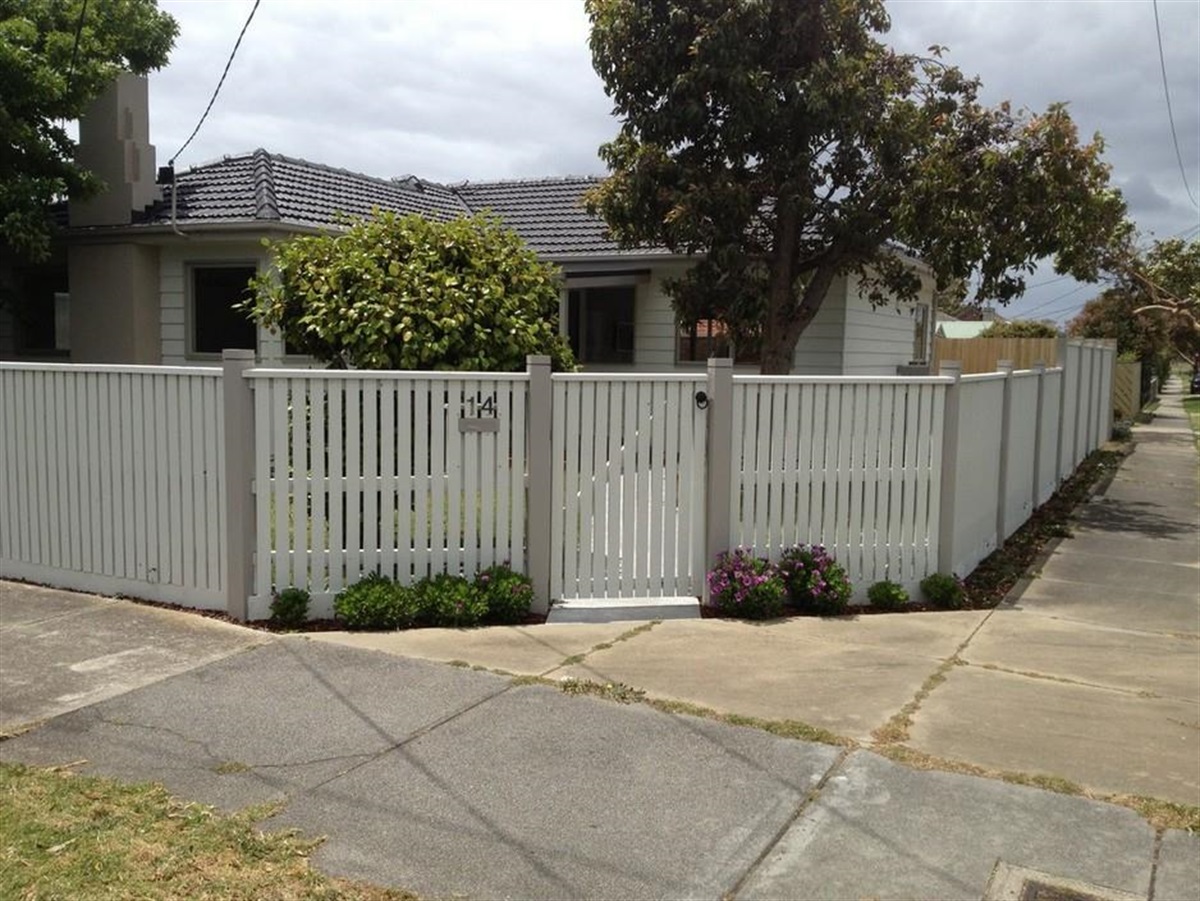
269	188
547	213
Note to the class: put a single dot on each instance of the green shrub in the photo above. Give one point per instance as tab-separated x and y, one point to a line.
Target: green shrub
289	609
506	595
746	586
376	602
887	595
447	600
943	590
815	582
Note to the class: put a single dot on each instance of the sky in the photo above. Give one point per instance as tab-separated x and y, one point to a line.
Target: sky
454	90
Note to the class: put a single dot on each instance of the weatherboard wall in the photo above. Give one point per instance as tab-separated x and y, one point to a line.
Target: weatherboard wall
878	339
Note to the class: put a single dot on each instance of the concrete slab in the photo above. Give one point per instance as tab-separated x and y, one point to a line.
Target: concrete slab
1177	549
539	795
1115	576
783	670
1146	611
1168	666
60	651
1106	740
1136	517
261	725
1178	875
878	830
525	650
21	604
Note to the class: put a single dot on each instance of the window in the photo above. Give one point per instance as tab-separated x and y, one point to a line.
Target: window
40	309
600	323
710	338
216	325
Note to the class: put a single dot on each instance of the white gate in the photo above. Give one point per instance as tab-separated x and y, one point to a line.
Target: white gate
628	486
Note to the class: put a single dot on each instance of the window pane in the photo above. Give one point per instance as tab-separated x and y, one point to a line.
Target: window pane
600	324
216	325
707	338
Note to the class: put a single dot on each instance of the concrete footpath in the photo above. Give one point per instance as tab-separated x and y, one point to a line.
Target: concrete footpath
453	781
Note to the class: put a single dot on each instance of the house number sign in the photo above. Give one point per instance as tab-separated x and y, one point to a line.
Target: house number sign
479	414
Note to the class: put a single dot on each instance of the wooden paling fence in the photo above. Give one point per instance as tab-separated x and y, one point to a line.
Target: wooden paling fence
1127	389
983	354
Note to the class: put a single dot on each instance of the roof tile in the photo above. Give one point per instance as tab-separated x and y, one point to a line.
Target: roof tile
547	213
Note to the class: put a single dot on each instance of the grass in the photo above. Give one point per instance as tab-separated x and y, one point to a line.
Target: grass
63	835
1191	406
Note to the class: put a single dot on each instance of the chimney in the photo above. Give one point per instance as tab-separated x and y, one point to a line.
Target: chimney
988	314
114	144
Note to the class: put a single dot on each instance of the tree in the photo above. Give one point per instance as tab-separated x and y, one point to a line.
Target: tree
1153	309
49	78
788	145
1019	328
405	292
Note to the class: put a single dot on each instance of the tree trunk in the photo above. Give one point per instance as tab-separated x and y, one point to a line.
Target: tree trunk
786	319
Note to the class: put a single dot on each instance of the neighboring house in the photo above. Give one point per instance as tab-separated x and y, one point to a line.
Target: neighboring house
152	271
955	329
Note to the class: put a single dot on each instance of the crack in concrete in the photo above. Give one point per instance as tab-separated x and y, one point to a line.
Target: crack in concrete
1046	677
629	634
801	808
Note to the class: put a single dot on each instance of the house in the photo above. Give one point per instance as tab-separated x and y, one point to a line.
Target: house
149	272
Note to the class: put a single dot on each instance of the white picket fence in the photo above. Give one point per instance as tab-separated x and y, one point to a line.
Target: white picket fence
112	480
215	488
850	463
405	474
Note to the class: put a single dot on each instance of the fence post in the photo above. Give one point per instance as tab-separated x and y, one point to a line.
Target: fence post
1005	366
1038	439
539	493
946	549
719	474
239	481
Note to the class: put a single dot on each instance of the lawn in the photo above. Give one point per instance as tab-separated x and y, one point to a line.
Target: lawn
1191	406
64	835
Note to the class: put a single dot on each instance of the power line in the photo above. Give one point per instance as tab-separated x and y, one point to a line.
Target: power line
213	99
1170	114
1046	303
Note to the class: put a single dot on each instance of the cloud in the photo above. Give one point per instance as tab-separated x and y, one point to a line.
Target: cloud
453	90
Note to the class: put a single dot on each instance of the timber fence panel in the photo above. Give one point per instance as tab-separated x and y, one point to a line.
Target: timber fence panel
1048	453
109	481
1127	389
1070	412
978	469
398	473
849	463
979	355
1021	447
628	482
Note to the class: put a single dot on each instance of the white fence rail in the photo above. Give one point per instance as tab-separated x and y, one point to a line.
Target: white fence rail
628	486
850	463
111	480
405	474
215	488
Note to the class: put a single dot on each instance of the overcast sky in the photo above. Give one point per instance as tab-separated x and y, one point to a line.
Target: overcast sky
487	89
